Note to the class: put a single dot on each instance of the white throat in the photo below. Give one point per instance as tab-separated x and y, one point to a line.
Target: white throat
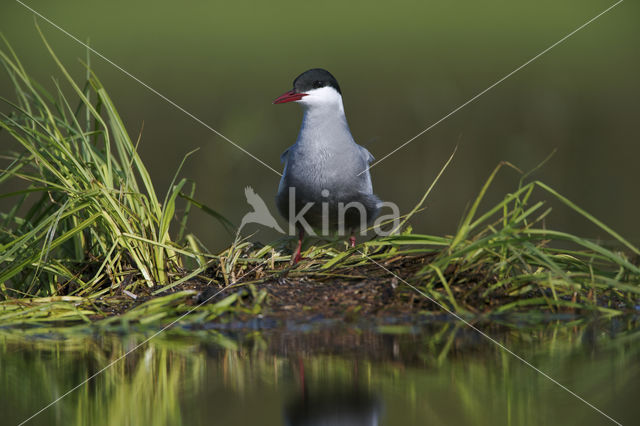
324	120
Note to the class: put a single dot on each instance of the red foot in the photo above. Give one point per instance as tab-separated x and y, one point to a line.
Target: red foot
352	239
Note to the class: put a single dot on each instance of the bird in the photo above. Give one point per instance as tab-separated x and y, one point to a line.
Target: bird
325	167
260	214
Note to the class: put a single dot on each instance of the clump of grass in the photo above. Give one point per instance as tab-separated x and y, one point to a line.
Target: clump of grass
89	219
507	259
503	260
89	222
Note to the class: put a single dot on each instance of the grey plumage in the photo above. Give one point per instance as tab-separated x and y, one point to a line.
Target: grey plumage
325	157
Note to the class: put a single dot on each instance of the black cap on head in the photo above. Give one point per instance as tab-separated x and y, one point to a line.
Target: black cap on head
314	79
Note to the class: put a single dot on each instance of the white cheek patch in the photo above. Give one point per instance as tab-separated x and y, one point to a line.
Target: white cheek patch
323	96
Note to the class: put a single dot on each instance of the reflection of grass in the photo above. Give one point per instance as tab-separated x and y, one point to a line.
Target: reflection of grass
142	389
446	373
88	225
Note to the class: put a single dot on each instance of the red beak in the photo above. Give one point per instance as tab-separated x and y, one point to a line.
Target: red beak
289	96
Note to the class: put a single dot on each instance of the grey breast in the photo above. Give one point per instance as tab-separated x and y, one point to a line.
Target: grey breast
328	174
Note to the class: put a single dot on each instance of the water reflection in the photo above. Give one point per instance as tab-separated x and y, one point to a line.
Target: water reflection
349	405
439	373
338	407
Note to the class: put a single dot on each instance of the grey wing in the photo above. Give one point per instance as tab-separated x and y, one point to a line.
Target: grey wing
368	159
285	154
284	158
365	154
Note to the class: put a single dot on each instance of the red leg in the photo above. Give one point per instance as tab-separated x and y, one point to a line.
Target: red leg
352	239
297	257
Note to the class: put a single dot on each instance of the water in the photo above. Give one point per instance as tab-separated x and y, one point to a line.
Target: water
437	373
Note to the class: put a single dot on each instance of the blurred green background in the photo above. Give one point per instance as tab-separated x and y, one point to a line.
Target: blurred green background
401	65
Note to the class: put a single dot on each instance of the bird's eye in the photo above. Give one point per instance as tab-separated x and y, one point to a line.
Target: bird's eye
317	84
